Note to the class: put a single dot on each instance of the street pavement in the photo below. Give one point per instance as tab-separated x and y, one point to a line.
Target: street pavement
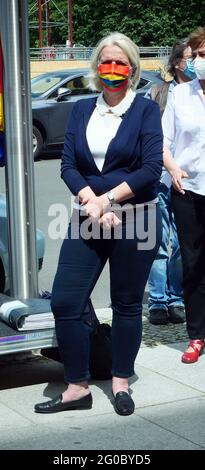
169	397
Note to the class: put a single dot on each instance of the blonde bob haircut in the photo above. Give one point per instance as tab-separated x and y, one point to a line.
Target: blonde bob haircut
128	47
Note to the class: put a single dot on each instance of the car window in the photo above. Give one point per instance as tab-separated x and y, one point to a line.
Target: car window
40	85
78	86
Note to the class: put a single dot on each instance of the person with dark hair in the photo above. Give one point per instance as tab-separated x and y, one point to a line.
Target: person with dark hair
166	302
112	162
184	156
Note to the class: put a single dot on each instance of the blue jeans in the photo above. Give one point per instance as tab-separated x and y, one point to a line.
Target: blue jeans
80	264
165	279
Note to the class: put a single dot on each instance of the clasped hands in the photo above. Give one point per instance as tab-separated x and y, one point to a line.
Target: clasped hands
98	209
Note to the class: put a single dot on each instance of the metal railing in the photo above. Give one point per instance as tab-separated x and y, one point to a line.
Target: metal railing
84	53
61	53
155	51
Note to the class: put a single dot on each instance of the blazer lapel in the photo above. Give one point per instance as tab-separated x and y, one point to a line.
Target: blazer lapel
86	116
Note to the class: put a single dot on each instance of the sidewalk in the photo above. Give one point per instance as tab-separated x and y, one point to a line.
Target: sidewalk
169	397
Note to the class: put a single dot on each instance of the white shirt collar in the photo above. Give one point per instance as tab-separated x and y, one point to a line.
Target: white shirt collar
196	85
117	110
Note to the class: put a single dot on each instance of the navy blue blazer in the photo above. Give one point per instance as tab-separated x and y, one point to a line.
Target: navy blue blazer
134	155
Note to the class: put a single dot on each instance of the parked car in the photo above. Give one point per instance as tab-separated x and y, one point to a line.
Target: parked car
4	257
53	96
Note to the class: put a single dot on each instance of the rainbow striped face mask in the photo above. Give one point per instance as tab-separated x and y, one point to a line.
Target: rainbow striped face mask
113	76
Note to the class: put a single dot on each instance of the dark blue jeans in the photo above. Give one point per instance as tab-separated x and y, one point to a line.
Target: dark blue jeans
80	263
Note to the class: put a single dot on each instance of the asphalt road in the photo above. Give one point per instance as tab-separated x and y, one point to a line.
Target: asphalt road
50	191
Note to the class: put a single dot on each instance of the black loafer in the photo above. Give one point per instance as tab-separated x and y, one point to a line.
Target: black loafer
56	405
158	316
123	404
177	314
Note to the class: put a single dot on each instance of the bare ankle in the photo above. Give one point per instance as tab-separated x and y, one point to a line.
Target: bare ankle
76	391
119	384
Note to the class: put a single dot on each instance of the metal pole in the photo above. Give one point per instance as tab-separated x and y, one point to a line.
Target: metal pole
71	23
49	25
46	18
70	26
40	24
18	131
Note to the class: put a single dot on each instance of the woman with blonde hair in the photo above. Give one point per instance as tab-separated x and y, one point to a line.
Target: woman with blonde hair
112	159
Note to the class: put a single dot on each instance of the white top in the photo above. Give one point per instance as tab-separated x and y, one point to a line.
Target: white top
103	125
183	125
165	176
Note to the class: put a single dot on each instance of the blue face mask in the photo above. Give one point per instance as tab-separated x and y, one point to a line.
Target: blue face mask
189	69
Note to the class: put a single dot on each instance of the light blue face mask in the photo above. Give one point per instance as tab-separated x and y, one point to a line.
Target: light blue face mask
189	69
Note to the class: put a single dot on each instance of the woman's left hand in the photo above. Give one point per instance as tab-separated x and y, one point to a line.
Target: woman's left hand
109	220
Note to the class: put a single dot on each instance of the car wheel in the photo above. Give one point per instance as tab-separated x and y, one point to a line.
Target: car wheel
2	277
37	142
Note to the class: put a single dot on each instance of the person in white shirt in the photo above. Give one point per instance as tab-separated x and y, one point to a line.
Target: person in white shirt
184	126
166	300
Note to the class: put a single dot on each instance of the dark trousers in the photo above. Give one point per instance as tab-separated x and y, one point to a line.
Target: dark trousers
189	212
80	263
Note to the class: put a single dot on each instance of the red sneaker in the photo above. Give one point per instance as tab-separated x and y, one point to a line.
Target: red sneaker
197	346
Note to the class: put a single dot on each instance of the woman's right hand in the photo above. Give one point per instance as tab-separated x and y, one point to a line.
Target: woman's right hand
85	195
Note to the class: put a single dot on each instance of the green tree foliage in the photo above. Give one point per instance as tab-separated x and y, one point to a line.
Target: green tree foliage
147	22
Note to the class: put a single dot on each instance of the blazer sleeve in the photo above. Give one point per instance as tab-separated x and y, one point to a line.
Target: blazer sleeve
69	172
151	151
